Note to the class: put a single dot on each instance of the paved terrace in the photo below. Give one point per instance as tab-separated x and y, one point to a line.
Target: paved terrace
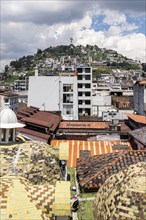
95	148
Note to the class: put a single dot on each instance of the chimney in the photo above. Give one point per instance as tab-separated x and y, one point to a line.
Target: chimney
36	71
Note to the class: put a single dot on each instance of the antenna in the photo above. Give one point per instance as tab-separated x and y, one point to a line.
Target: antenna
71	40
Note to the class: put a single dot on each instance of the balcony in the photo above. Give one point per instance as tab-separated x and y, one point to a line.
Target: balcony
83	106
84	89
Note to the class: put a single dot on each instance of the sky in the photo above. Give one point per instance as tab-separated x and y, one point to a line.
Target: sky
30	25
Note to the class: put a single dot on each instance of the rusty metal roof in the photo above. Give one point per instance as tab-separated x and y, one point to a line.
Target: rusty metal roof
82	125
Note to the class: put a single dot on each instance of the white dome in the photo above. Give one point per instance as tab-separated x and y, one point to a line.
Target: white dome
8	119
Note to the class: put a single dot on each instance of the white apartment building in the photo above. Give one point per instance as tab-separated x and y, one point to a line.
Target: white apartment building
70	94
140	97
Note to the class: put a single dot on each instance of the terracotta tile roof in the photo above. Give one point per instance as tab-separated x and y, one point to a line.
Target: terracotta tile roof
142	82
82	125
20	199
123	195
93	171
137	118
95	148
139	134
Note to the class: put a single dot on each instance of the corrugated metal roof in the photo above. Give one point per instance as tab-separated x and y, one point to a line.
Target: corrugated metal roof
40	118
34	133
82	125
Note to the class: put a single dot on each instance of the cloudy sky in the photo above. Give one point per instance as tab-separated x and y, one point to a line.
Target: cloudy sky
29	25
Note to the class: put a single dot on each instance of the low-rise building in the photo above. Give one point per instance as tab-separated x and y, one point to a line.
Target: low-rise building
9	99
20	85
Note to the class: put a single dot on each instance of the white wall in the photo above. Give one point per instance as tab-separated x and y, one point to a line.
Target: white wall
46	93
101	100
43	92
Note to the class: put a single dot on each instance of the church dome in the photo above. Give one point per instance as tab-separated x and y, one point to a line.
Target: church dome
8	119
123	195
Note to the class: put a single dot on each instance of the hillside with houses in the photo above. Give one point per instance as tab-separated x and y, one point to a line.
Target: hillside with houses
54	60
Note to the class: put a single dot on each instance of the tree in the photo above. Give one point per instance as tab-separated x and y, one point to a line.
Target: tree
39	51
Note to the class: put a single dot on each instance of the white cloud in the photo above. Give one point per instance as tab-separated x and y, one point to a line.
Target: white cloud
114	17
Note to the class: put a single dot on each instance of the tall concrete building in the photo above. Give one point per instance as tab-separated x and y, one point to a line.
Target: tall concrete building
69	93
84	80
140	97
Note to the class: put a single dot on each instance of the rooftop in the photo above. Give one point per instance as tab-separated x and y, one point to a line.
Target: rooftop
77	147
32	115
82	125
93	171
137	118
139	134
9	94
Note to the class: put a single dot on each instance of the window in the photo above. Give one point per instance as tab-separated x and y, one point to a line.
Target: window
68	88
79	77
87	102
68	110
6	100
67	98
80	86
87	70
79	93
87	85
87	77
79	70
87	93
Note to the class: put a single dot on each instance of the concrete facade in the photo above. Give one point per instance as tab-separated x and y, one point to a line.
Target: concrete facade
140	97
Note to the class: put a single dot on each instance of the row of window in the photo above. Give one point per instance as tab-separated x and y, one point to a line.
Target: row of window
85	86
84	93
84	70
86	102
87	77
